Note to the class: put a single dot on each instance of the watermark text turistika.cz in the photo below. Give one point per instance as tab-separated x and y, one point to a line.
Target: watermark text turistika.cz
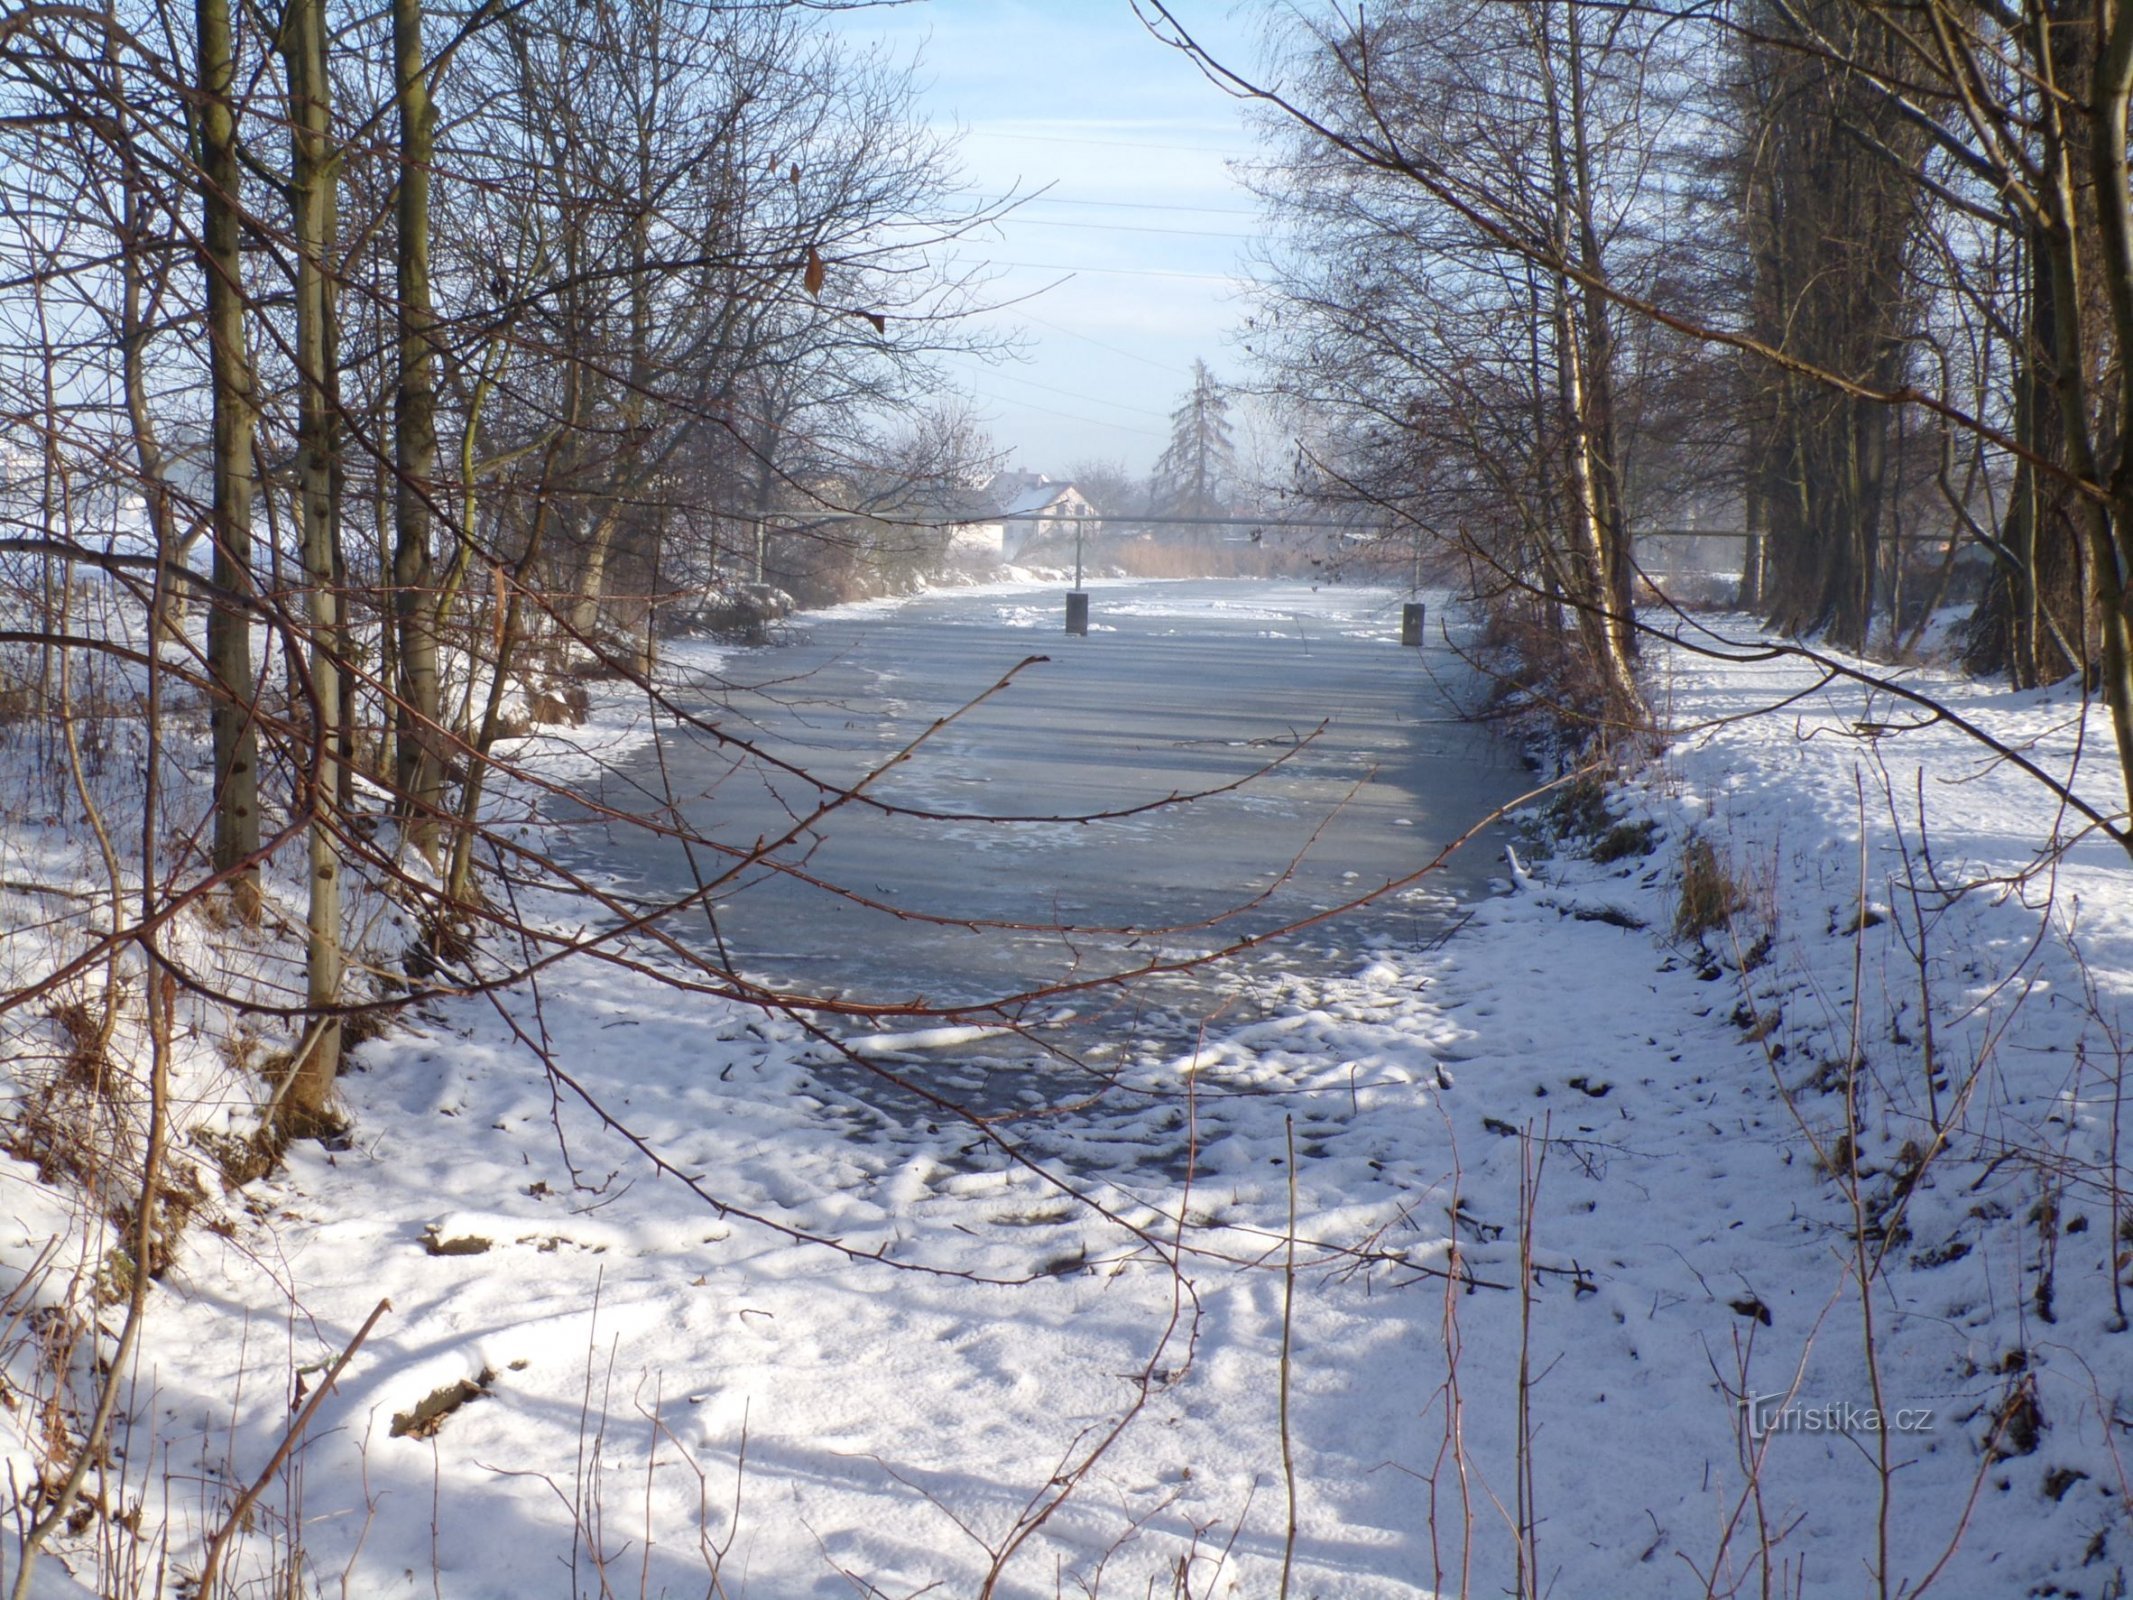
1774	1413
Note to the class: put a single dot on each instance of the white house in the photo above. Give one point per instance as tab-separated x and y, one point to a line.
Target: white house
1036	508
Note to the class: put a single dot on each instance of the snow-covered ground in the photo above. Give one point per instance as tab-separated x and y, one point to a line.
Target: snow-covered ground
1564	1188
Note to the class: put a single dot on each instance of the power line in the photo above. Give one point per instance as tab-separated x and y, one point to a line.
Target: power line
1053	411
1116	350
1071	394
1122	272
1121	144
1143	205
1120	227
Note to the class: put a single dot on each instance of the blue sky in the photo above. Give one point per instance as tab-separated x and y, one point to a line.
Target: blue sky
1134	248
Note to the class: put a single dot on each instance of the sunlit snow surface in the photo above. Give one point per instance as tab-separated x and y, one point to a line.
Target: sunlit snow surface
885	1420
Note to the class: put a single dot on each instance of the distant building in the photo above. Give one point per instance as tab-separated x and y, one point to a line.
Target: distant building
1041	511
1019	509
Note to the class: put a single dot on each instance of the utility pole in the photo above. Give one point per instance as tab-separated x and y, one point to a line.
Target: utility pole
1077	617
1411	613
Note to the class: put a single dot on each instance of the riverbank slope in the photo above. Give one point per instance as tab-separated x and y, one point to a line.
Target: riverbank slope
1470	1260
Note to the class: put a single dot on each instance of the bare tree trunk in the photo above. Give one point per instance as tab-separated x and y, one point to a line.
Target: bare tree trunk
592	579
1602	435
1595	514
510	624
311	195
419	762
1590	539
166	626
140	297
2111	518
2025	663
1832	211
229	627
2031	622
628	474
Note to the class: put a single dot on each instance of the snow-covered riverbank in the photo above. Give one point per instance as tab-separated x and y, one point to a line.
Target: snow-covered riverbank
1564	1187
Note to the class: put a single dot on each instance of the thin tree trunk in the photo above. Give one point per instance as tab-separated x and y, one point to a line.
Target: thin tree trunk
311	194
1590	540
2108	520
2024	666
459	875
166	624
1751	561
229	630
1602	435
419	759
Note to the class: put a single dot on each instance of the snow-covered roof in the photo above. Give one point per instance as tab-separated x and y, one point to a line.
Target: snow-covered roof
1041	498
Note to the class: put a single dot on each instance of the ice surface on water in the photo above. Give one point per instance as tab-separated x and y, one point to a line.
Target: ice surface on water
1191	694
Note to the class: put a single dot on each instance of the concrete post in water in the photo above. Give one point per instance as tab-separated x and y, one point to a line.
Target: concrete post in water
1077	621
1411	623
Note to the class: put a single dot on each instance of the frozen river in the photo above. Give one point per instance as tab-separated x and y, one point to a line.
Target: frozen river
1180	689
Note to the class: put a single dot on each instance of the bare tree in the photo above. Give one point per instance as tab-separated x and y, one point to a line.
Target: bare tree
419	762
231	462
1119	494
1463	189
1832	207
312	191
